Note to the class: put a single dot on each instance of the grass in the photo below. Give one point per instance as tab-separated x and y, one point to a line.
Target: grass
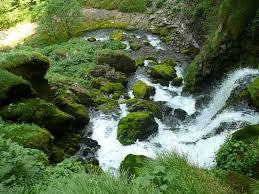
122	5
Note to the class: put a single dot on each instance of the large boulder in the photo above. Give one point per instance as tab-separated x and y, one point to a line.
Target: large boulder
109	73
13	87
39	112
132	164
163	72
136	126
27	135
142	90
29	65
117	59
141	105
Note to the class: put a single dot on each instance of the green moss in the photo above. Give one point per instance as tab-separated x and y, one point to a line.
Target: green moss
111	88
106	104
29	136
132	164
136	125
135	46
190	77
117	59
170	62
29	65
40	112
13	87
249	133
117	35
163	71
142	90
139	62
140	105
253	89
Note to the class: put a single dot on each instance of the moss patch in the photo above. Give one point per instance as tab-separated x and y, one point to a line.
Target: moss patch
117	35
253	89
136	125
40	112
13	87
142	90
163	71
30	136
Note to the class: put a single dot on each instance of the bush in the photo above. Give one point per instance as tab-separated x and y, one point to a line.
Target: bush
237	156
19	168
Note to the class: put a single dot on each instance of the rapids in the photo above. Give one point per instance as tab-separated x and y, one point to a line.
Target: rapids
198	137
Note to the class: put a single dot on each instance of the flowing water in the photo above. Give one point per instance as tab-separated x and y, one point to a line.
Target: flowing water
198	137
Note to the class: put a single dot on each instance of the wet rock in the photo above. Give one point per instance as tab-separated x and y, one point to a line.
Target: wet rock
90	143
91	39
177	81
180	114
142	90
117	59
202	101
163	73
136	126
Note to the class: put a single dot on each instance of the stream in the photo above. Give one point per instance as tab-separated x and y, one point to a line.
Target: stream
198	136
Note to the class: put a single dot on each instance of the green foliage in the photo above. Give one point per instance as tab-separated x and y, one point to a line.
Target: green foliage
171	173
30	136
114	45
59	18
15	11
237	156
122	5
253	90
19	168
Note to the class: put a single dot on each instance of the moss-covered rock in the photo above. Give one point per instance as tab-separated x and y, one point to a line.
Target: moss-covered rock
70	106
140	62
39	112
106	104
142	90
91	39
117	59
140	105
132	164
117	35
29	65
163	72
247	133
177	81
136	126
109	73
170	61
111	88
135	46
13	87
27	135
253	90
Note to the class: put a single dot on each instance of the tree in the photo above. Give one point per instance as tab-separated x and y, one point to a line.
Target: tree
59	18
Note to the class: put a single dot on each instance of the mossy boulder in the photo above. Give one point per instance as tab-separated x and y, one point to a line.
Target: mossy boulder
70	106
114	45
111	88
109	73
132	164
39	112
136	126
141	105
140	62
106	104
163	72
29	65
27	135
117	59
142	90
247	133
170	61
253	90
135	46
13	88
177	81
117	35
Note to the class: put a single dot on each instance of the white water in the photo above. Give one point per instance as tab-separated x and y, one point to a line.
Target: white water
188	139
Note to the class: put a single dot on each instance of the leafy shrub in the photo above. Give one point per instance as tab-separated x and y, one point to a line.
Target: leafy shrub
20	168
237	156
